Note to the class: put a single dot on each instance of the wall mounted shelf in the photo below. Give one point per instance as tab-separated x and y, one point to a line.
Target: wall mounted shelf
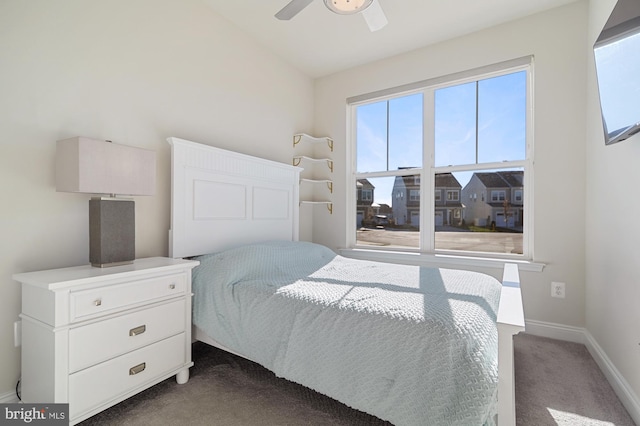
329	204
312	178
327	181
300	158
300	137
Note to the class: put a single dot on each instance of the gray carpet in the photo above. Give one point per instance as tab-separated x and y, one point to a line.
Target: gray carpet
557	383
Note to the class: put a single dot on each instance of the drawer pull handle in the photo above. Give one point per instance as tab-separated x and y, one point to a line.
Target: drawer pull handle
172	286
137	369
97	302
138	330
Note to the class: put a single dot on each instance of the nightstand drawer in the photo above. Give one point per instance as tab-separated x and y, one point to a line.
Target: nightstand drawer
110	298
100	384
100	341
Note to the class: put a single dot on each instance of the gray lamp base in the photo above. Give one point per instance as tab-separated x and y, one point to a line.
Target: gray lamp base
111	232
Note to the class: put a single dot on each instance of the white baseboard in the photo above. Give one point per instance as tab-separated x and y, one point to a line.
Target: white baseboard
580	335
620	386
8	398
555	331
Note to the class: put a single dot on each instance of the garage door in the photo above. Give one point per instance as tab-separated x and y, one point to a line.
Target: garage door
500	221
415	219
438	218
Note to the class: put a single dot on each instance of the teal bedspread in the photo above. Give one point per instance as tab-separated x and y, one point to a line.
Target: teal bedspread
408	344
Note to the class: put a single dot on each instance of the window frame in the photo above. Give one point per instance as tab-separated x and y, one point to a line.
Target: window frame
429	170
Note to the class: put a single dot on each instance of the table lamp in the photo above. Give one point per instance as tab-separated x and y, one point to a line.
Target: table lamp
109	171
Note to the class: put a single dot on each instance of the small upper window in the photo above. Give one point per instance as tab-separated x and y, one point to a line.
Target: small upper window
617	57
497	195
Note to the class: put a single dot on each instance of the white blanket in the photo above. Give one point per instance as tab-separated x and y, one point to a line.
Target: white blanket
411	345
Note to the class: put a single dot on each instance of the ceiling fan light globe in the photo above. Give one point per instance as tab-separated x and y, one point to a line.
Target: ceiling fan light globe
347	7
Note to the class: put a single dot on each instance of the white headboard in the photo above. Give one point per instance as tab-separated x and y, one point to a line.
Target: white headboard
222	199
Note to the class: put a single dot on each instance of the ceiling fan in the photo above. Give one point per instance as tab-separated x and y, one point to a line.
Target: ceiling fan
371	10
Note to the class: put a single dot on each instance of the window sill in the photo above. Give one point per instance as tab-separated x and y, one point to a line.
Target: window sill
440	260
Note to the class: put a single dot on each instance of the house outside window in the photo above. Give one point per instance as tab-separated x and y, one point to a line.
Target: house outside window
445	144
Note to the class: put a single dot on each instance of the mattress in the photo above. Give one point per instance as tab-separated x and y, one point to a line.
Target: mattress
411	345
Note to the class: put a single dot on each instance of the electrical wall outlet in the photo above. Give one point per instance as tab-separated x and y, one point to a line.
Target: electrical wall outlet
17	333
557	290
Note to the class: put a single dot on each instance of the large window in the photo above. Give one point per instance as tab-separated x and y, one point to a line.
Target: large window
447	163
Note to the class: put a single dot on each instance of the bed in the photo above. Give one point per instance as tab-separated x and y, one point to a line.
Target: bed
408	344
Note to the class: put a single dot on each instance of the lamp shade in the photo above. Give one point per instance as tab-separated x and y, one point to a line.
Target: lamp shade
100	167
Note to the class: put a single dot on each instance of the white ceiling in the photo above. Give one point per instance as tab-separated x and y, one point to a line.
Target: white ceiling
320	42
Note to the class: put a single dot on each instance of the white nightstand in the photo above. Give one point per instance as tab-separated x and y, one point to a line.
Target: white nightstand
93	337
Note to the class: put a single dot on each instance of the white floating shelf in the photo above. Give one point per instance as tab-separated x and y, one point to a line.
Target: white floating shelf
328	182
329	204
300	158
299	137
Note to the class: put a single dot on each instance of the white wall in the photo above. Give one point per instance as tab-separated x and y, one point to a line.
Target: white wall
134	72
557	40
613	235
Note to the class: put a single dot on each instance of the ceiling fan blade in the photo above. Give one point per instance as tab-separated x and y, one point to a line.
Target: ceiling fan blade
375	17
292	9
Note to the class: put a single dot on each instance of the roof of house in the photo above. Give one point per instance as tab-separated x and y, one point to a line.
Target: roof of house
364	183
504	179
447	180
443	180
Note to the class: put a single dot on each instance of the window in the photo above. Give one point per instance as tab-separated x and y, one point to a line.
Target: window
453	138
518	195
497	196
617	61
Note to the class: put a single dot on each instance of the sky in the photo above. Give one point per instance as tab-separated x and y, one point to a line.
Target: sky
390	133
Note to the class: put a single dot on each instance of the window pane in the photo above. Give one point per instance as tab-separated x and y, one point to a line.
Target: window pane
391	217
371	137
502	118
498	104
618	68
405	132
389	134
487	218
455	125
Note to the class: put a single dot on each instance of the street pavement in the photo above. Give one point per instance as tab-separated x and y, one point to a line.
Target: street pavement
488	242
